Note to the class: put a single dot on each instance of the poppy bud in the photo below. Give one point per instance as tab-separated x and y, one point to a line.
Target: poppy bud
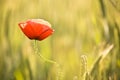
37	29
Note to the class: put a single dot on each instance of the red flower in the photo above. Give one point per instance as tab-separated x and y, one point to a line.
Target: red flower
37	29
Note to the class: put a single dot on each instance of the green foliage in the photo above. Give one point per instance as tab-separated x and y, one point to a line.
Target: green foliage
85	45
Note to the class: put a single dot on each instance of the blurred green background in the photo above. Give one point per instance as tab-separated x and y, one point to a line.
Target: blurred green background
85	44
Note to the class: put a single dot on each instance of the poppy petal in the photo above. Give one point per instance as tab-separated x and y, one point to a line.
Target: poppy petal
27	30
45	34
38	29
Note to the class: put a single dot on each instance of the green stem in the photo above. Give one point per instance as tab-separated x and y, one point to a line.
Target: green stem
36	52
59	72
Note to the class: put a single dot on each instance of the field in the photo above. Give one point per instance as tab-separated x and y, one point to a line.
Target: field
84	46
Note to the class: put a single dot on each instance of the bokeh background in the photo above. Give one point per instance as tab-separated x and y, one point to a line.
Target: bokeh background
85	44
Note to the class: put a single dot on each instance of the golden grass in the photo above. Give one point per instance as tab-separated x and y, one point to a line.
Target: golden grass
86	28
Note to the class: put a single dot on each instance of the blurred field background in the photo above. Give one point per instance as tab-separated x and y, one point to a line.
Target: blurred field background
85	44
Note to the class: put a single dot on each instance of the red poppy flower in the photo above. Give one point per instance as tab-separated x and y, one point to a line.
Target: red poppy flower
37	29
